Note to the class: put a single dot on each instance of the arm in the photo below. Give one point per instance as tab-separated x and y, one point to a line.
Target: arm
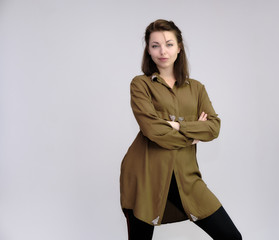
176	125
151	125
204	130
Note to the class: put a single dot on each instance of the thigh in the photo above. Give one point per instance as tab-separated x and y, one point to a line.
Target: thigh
137	229
173	195
219	226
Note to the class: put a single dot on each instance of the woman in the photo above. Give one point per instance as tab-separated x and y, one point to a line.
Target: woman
160	180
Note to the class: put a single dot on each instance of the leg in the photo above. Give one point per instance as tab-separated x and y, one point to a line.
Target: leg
219	226
137	229
174	211
174	196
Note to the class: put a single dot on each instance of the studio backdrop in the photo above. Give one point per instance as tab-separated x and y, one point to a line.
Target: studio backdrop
66	121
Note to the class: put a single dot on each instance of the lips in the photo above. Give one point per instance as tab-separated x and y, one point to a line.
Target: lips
163	59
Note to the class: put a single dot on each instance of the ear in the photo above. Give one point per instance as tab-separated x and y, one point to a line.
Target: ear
178	51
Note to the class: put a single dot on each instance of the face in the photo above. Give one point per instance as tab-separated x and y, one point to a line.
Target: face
163	49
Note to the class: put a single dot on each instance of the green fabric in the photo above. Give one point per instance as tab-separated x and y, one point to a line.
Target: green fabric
159	150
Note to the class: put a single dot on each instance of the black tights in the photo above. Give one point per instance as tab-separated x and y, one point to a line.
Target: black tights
219	225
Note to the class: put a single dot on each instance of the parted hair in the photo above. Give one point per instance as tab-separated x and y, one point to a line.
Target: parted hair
181	67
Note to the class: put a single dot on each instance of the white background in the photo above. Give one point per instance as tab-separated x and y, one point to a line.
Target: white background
66	123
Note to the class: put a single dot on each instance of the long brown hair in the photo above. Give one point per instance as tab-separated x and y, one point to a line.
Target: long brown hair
181	68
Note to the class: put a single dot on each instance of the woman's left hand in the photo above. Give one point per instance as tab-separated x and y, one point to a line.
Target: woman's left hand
175	125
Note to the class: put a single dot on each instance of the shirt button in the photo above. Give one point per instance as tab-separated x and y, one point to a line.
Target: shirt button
172	117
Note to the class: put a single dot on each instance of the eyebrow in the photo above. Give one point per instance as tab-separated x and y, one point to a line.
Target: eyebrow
167	41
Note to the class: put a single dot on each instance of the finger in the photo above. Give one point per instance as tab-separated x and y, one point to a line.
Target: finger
205	117
195	141
201	116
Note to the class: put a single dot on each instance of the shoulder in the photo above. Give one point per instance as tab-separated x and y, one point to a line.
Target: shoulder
141	82
141	79
195	83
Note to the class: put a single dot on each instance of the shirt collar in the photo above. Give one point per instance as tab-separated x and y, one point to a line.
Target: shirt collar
155	77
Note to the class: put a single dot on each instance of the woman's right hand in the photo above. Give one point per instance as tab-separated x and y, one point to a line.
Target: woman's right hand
203	117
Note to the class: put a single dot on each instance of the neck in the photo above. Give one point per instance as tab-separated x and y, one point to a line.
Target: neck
167	74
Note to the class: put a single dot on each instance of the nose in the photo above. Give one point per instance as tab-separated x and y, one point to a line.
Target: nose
163	50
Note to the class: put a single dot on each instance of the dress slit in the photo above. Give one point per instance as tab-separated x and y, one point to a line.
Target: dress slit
174	209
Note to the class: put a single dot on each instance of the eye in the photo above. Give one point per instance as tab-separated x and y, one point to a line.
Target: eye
170	44
154	46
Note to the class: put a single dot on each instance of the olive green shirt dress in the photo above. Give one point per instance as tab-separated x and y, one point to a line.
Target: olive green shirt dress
158	151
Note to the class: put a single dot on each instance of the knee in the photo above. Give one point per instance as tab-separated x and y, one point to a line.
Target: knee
236	236
230	235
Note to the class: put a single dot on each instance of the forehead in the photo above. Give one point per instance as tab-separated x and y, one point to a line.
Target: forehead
162	36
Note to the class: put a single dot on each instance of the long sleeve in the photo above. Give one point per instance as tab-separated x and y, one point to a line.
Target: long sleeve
202	130
151	125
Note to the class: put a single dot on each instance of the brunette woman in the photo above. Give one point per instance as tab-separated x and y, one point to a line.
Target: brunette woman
160	180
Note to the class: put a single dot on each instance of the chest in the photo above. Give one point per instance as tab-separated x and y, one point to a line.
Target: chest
180	102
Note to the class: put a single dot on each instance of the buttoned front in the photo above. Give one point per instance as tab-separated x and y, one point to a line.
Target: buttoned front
159	150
